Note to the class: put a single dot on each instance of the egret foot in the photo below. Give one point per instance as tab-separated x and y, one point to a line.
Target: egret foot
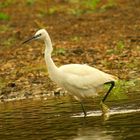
105	111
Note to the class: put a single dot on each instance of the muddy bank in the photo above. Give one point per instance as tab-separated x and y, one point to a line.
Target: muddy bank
106	38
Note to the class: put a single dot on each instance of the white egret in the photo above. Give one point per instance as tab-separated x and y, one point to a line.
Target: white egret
79	80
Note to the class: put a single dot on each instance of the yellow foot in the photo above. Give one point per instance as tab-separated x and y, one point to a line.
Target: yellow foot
105	111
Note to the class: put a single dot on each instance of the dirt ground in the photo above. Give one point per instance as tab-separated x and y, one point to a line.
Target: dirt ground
106	37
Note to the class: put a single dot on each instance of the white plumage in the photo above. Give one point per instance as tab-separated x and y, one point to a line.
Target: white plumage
81	81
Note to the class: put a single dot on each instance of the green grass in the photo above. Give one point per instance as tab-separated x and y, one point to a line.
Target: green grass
49	11
2	83
30	2
59	51
89	6
81	7
108	5
9	42
75	38
120	46
52	10
92	4
122	88
6	3
4	16
75	11
4	28
72	1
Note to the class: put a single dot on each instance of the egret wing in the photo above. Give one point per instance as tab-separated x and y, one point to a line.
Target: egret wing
84	76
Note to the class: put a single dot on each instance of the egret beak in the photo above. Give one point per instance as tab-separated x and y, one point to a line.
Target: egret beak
32	38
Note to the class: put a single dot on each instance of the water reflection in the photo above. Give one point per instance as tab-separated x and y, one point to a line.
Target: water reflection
93	134
54	120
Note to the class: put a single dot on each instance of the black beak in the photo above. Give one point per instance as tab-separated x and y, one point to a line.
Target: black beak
32	38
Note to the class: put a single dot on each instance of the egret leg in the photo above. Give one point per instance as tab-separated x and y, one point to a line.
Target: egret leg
111	87
85	114
104	107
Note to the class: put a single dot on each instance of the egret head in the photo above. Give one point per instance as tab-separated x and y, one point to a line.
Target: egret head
40	34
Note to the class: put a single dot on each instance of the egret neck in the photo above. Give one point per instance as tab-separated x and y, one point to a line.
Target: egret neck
52	68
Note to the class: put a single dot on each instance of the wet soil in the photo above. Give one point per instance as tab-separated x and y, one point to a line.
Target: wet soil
107	38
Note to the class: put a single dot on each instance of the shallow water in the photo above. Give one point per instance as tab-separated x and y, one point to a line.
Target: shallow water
62	119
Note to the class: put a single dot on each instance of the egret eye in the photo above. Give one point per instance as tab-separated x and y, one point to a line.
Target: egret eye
39	35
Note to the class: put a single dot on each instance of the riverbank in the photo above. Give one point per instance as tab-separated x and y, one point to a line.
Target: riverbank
105	36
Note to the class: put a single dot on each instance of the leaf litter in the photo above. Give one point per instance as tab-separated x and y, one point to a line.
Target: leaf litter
107	40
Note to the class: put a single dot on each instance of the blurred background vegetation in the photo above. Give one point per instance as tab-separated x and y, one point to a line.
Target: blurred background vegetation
102	33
